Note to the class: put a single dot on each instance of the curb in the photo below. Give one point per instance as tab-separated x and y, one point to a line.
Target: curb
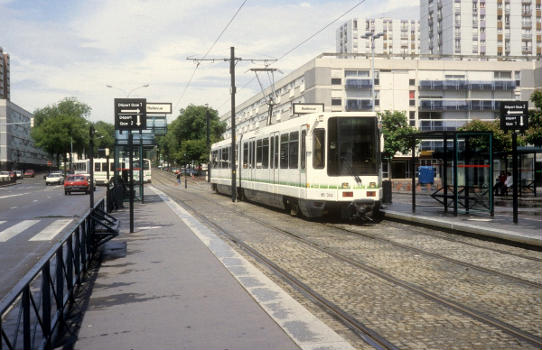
464	228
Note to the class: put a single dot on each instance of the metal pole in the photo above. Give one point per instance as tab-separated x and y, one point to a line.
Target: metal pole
413	173
208	115
71	153
455	174
107	194
445	174
91	166
141	178
233	175
373	70
515	175
131	180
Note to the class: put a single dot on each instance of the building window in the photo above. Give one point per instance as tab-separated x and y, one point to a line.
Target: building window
412	102
412	115
336	81
336	102
412	94
411	82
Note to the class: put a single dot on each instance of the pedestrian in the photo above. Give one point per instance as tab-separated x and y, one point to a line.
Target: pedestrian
500	187
509	182
179	177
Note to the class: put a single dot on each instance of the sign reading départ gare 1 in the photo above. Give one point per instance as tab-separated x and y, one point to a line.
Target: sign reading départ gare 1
130	113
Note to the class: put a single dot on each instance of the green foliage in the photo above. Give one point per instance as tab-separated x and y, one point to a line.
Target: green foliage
533	135
187	135
396	131
502	142
104	136
58	125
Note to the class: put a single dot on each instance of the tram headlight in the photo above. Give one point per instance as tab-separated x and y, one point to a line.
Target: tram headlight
372	184
345	185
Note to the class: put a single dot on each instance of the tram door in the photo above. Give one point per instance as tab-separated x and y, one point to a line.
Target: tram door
274	158
252	158
303	160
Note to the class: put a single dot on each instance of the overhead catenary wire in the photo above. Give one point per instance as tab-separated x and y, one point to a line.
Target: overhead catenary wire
209	50
305	41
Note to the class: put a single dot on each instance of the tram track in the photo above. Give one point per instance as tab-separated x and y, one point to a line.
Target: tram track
419	290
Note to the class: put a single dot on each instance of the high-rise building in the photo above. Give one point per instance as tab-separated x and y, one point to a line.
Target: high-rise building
481	27
400	36
4	75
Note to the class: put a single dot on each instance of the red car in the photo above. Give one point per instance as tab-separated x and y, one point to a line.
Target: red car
29	173
76	183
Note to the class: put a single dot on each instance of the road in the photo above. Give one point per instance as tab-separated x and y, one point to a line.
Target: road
32	218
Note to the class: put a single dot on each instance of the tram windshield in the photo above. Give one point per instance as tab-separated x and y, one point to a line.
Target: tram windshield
352	146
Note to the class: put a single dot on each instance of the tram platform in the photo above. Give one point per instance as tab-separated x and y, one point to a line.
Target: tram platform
174	284
428	212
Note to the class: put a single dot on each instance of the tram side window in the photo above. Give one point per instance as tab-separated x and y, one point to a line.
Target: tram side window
276	152
259	154
318	149
284	151
252	154
293	152
303	149
265	153
214	159
245	155
272	163
96	166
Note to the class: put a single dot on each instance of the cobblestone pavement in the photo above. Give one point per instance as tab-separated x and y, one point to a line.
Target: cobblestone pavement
404	317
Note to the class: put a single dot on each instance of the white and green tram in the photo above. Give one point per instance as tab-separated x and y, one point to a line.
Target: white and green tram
314	164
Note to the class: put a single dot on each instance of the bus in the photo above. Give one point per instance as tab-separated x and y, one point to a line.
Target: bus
100	169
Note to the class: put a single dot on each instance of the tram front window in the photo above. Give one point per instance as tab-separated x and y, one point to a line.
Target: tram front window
352	146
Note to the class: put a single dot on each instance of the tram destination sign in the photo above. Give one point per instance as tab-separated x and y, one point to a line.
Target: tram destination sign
130	113
514	115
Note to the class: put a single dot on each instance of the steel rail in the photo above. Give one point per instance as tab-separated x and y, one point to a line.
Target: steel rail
365	333
466	310
439	256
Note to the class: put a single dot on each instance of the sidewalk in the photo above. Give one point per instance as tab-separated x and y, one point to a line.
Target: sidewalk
429	212
173	284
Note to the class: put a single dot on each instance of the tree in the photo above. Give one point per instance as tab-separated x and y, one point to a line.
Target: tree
396	134
533	135
105	135
58	126
502	142
187	134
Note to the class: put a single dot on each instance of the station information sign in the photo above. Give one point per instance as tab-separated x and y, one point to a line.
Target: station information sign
514	115
130	113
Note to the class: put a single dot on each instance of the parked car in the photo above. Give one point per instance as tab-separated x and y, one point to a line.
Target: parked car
55	178
4	176
18	174
29	173
77	183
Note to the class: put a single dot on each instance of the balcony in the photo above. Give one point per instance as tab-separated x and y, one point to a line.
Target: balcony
525	37
356	84
358	105
443	84
459	105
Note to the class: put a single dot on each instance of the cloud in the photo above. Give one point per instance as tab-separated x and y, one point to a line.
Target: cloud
127	43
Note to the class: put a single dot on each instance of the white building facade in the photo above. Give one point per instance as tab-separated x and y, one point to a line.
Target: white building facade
400	36
17	149
434	94
481	27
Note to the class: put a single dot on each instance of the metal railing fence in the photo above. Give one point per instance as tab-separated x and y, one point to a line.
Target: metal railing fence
33	313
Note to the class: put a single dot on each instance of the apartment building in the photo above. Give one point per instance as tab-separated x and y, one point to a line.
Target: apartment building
4	75
399	36
434	94
497	28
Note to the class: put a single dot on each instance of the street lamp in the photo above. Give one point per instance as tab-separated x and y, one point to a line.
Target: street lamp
128	93
372	36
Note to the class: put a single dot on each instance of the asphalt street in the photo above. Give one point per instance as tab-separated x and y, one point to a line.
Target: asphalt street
33	217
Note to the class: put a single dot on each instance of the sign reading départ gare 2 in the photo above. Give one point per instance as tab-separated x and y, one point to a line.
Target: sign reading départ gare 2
130	113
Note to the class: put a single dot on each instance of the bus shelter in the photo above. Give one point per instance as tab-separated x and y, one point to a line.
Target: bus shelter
142	142
466	170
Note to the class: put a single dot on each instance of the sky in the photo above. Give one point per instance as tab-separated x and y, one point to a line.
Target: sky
71	48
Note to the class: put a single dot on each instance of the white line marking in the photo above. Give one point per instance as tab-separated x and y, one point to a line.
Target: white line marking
16	229
1	222
35	200
52	230
282	308
14	195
